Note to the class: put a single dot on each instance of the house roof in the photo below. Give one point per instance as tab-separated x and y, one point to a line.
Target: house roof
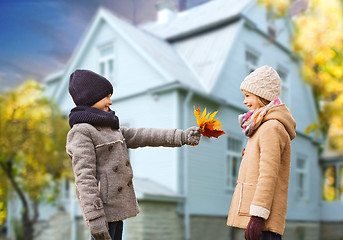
157	52
161	52
181	62
206	54
149	189
198	19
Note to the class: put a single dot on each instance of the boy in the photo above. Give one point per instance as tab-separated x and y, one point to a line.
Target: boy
97	147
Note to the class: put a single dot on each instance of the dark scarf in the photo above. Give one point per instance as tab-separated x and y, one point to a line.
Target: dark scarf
93	116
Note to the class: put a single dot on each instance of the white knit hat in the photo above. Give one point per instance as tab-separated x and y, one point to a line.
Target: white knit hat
264	82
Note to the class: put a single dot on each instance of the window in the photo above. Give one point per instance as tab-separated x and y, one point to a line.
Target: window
301	178
251	59
271	32
332	182
233	160
284	84
329	183
106	61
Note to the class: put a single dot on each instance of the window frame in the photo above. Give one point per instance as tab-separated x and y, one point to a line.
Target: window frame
229	156
251	66
106	59
337	166
304	171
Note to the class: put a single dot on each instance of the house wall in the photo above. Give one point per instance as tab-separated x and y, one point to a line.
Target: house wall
307	209
205	177
155	111
132	72
199	171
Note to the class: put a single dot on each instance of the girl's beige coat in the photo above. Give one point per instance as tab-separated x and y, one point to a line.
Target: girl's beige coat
262	184
102	168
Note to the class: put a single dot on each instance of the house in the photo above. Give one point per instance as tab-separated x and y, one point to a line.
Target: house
159	71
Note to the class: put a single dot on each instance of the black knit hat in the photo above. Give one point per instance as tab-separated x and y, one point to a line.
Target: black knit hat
87	87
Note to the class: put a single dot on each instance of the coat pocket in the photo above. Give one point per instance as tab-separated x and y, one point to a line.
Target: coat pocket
103	187
246	197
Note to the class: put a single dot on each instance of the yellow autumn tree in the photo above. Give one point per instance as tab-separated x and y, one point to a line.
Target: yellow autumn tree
32	150
318	39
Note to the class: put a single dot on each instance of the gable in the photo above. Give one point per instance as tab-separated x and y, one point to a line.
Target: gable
142	61
206	53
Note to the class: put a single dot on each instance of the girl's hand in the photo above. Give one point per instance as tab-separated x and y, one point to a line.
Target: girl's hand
254	228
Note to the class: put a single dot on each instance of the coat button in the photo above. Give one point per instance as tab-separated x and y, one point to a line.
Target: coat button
115	169
129	183
127	163
120	189
110	148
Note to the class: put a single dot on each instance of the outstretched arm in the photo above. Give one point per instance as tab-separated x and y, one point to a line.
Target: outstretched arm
154	137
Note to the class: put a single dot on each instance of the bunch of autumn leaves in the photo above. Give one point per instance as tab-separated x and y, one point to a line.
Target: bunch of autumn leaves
209	126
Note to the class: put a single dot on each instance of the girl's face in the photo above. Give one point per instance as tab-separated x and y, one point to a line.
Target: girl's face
104	103
252	101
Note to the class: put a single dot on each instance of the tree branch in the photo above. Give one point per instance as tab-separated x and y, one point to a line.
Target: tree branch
8	171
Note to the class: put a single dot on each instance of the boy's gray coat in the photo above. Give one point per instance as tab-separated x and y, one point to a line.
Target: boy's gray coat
102	169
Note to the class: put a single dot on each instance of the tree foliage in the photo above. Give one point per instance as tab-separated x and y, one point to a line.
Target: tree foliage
318	39
32	149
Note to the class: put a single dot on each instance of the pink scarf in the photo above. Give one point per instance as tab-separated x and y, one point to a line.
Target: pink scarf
251	120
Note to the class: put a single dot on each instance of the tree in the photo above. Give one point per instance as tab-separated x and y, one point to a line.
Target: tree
32	149
318	40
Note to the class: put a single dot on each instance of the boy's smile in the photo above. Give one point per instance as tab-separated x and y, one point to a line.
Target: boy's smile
104	104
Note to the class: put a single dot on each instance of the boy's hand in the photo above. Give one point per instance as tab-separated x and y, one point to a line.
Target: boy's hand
191	136
98	228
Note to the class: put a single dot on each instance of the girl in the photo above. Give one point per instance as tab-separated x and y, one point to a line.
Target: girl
259	202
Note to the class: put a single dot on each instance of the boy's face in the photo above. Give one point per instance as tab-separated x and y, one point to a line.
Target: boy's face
104	103
252	101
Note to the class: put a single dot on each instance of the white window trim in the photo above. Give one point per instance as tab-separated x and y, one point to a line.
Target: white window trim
228	164
105	60
305	173
251	67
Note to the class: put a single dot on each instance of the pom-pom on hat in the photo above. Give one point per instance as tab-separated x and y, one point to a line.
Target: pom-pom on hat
87	87
264	82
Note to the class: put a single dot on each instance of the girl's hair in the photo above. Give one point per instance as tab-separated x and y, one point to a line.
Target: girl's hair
265	102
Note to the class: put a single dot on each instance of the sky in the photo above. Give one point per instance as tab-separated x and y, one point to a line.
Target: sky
37	37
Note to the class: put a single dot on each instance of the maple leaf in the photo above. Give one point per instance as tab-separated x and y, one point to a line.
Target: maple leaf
209	126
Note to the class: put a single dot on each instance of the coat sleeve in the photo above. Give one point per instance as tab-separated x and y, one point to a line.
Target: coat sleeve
152	137
272	141
80	149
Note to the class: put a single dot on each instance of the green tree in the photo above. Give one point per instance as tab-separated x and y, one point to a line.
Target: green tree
318	40
32	149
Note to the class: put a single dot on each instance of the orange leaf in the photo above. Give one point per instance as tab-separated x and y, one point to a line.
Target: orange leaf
209	126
